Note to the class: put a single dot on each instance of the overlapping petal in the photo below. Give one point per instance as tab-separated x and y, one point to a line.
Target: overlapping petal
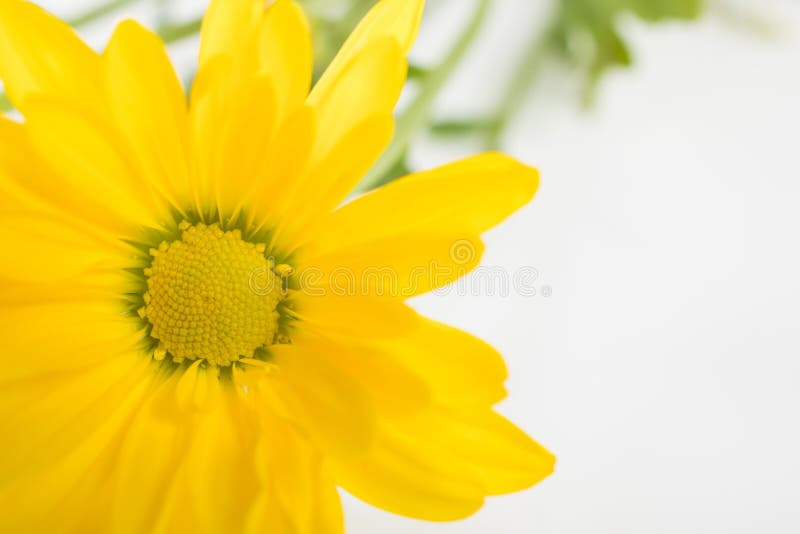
337	311
66	198
467	197
89	157
300	495
246	44
329	406
41	55
149	107
89	334
398	20
439	465
461	370
62	433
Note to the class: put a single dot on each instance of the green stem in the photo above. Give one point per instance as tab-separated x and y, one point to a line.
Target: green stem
99	12
520	86
748	21
175	32
162	9
418	113
331	32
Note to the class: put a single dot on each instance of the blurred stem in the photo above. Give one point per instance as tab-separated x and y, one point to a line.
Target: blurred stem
520	86
331	32
99	12
748	21
175	32
418	113
162	9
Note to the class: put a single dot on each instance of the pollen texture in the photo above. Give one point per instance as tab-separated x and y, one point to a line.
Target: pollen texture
211	296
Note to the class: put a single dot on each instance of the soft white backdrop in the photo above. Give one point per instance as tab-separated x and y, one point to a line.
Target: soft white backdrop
664	369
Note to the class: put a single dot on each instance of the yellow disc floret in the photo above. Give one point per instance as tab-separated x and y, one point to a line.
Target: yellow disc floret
211	295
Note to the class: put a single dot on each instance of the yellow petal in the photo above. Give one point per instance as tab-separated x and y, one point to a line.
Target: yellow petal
149	459
370	84
40	54
45	250
326	404
225	25
395	267
149	106
172	514
301	496
460	369
61	442
336	310
87	155
267	515
244	40
207	117
285	56
198	388
277	187
439	465
42	412
497	454
220	462
329	517
246	131
325	186
398	20
52	337
366	77
399	477
90	286
466	197
28	187
394	388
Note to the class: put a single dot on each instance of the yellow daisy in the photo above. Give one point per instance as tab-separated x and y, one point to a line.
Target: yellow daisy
198	335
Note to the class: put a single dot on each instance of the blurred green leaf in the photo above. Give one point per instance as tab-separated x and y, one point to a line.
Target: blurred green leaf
417	116
171	33
398	169
5	103
586	32
457	128
98	12
415	72
659	10
331	23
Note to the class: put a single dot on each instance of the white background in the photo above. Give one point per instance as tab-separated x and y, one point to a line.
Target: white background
664	370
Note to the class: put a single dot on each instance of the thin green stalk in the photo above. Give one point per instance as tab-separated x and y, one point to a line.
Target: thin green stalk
171	33
418	113
747	20
162	9
331	32
98	12
519	88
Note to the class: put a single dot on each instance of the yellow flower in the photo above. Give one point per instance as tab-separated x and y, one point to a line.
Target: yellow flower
179	353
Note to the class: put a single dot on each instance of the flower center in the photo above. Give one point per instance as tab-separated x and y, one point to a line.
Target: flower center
211	296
